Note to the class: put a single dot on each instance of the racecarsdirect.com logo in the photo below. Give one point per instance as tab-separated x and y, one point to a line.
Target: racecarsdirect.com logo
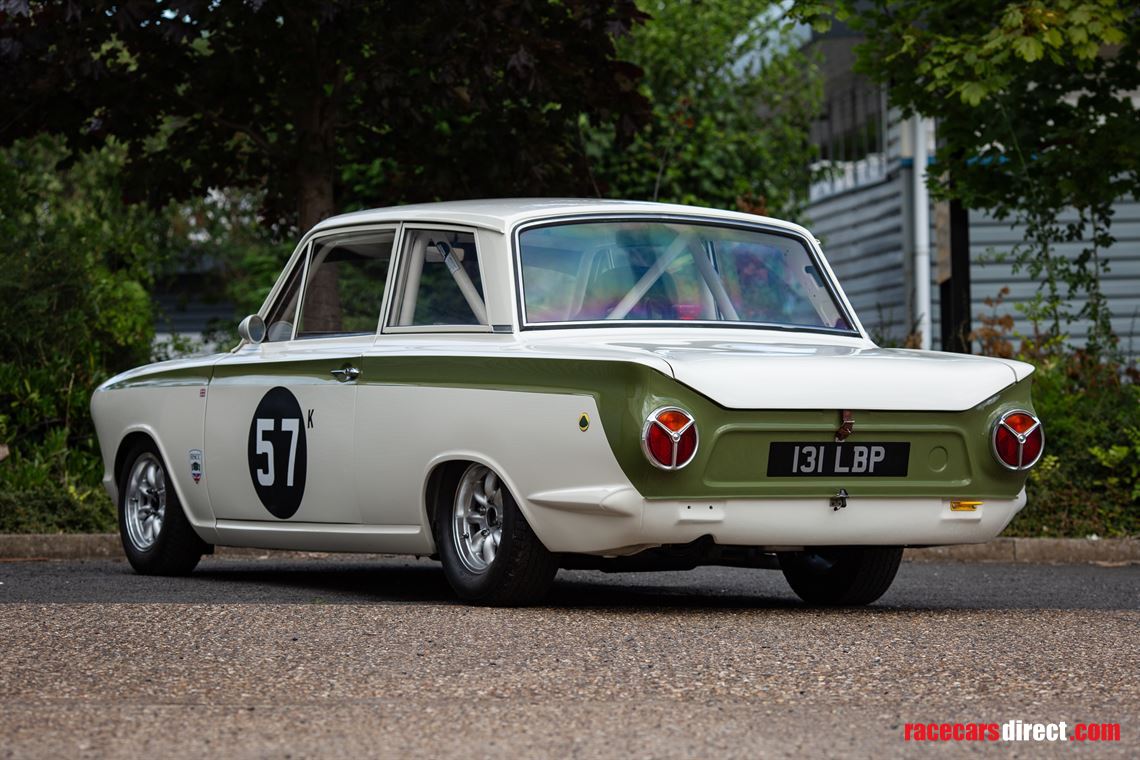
1012	731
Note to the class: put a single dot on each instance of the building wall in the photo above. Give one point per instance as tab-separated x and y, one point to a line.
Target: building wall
866	235
1121	283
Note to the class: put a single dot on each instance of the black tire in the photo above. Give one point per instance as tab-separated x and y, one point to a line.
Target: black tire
176	549
844	576
522	569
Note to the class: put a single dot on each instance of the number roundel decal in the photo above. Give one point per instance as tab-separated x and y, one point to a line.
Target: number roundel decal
277	452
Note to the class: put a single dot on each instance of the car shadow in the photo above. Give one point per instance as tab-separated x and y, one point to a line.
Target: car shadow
920	587
424	582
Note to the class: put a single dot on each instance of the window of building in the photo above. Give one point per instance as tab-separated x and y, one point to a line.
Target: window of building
850	135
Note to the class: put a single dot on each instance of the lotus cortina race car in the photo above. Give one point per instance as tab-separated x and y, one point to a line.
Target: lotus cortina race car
515	386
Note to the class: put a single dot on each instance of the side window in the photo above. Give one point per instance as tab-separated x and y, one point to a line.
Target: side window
279	320
344	288
439	281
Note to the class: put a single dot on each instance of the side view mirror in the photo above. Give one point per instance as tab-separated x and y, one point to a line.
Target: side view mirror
252	329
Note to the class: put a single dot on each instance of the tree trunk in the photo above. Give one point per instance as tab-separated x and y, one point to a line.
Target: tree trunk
321	311
315	200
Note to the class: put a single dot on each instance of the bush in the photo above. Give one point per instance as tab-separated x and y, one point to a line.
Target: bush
74	309
1088	482
51	509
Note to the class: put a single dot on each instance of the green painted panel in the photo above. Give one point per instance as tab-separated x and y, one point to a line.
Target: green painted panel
732	457
315	371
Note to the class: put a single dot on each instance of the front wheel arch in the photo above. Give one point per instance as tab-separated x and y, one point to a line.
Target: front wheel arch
130	442
175	548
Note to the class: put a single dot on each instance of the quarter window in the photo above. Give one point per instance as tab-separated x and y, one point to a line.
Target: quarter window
279	321
440	283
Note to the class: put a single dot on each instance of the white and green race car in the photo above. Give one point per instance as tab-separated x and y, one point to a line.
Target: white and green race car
515	386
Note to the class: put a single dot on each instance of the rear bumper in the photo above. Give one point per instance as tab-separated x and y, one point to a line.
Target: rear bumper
619	521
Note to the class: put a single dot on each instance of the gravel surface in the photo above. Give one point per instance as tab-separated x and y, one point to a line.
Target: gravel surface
345	657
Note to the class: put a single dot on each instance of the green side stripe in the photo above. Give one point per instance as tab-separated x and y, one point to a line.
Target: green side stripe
732	457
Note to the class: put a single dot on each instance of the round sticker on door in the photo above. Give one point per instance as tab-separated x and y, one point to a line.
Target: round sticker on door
277	452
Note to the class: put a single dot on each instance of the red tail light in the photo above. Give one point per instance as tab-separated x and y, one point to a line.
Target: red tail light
1018	440
669	438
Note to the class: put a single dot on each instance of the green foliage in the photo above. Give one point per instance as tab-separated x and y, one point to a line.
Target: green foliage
732	100
1089	480
323	104
1035	116
50	509
229	252
74	274
1122	462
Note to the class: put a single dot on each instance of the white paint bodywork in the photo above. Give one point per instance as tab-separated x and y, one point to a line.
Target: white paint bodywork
375	445
633	524
747	369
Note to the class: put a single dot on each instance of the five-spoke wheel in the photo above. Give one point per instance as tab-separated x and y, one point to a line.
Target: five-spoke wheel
144	500
157	537
489	553
478	525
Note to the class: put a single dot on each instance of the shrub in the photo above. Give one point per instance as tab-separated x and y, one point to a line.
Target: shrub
51	509
1089	480
74	309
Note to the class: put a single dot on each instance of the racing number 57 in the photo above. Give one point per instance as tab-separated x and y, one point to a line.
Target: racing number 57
291	425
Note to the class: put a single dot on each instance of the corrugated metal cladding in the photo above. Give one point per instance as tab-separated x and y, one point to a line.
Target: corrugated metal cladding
1121	283
862	231
866	237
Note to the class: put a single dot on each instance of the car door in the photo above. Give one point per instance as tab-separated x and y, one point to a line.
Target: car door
280	414
437	308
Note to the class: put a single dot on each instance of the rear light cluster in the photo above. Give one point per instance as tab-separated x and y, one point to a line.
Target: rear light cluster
1018	440
669	438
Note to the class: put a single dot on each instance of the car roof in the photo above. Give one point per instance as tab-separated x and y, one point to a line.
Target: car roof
502	214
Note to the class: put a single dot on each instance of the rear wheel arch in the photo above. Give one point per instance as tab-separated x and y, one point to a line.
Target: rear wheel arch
522	568
443	476
439	491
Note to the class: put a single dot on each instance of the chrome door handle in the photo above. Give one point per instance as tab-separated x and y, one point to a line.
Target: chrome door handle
345	373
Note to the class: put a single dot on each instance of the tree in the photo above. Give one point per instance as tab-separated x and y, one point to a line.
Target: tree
319	101
732	101
74	309
1035	116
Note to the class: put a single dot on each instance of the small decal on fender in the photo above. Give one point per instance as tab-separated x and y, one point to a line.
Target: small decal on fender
196	464
584	422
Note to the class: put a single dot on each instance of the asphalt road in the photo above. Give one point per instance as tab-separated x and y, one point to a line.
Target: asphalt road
347	658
